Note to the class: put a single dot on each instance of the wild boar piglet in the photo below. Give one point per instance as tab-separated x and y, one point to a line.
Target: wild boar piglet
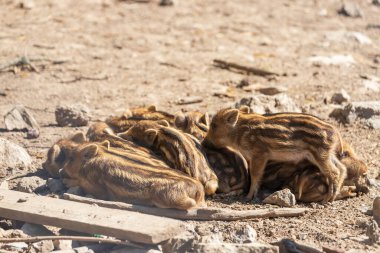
182	151
107	173
284	137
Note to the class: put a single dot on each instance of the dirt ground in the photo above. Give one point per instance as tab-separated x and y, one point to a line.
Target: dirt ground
144	54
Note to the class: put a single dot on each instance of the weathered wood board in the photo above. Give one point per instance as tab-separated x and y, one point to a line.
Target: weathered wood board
126	225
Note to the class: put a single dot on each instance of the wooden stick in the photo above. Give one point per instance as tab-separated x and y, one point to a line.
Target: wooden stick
73	238
255	71
194	214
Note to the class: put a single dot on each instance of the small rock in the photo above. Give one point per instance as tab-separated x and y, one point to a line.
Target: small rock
13	156
35	230
180	243
302	236
376	210
373	232
332	60
243	83
340	97
5	224
20	119
4	185
371	85
358	111
63	244
27	4
281	198
351	9
246	234
19	246
166	2
373	123
44	246
14	233
32	134
74	116
262	104
270	91
359	37
347	37
29	184
55	185
212	238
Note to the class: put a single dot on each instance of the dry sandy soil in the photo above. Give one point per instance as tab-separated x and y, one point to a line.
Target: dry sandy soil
157	55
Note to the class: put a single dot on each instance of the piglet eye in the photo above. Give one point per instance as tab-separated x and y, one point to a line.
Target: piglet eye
213	125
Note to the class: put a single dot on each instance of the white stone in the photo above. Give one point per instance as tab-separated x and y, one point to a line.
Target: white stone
20	119
246	234
13	156
29	184
332	60
371	85
281	198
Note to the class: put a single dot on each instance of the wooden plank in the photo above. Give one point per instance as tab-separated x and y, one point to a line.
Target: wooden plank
126	225
206	214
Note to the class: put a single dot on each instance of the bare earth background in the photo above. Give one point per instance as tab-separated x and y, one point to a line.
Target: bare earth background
157	55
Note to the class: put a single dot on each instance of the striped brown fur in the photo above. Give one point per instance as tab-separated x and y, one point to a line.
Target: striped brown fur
283	137
109	174
133	116
100	131
182	151
193	122
309	184
231	169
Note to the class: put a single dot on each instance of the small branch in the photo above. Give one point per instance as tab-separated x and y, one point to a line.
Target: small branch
189	100
221	214
249	70
80	78
27	62
64	237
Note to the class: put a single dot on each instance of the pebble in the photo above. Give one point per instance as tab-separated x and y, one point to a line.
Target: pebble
283	198
20	119
74	116
245	234
340	97
13	155
350	9
29	184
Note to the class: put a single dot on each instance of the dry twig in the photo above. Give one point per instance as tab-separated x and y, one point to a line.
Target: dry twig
237	67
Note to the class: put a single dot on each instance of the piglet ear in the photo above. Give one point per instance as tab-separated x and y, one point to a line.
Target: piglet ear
78	137
232	116
124	135
106	144
163	122
127	114
244	109
150	136
205	119
180	120
151	108
55	151
90	150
